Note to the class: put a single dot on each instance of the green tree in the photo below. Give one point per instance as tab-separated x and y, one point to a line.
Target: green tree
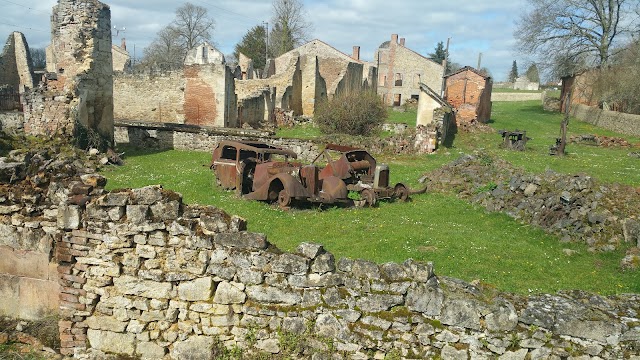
439	54
532	73
38	58
290	27
253	45
513	74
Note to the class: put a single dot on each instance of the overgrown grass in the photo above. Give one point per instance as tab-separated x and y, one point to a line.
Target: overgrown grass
463	241
408	117
605	164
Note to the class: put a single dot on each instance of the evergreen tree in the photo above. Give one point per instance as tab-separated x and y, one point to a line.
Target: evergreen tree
532	73
253	45
439	54
513	75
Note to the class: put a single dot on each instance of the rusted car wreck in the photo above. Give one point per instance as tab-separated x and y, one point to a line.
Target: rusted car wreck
265	172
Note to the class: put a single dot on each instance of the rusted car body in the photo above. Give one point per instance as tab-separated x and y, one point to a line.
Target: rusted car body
260	171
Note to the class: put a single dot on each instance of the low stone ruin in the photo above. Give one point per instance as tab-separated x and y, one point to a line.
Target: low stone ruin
573	207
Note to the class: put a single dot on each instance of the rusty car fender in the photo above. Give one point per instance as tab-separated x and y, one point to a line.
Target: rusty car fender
289	183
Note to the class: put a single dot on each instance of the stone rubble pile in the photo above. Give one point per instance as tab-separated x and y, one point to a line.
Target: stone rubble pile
574	207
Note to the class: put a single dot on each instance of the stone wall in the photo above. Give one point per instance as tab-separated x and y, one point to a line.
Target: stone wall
12	122
80	56
153	97
628	124
143	274
397	62
15	63
508	96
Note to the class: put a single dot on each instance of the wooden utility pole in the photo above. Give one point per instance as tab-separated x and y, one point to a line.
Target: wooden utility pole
479	61
444	64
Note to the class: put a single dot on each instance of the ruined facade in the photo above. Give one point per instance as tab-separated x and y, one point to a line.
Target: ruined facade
247	72
16	69
202	93
121	57
401	70
77	99
523	83
469	93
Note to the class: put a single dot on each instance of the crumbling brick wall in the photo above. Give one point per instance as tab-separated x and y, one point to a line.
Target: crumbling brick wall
470	95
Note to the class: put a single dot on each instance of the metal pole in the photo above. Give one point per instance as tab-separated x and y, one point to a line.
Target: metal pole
479	61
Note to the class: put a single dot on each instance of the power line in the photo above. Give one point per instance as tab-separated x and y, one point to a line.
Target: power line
24	6
22	27
230	12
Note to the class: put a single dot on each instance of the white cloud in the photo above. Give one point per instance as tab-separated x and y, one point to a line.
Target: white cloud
480	26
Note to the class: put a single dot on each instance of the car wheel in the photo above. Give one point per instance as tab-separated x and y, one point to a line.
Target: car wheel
284	200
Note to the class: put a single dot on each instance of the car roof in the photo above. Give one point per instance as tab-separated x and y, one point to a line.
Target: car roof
259	147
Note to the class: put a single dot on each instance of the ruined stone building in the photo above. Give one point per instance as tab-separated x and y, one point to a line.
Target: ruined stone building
77	98
16	69
121	57
247	72
297	80
523	83
401	70
201	93
469	93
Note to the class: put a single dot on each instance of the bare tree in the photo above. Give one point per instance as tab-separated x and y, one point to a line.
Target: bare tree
574	30
38	58
290	27
165	50
192	25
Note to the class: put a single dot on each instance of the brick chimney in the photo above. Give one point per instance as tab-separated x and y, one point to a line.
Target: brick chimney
356	53
123	44
401	41
394	38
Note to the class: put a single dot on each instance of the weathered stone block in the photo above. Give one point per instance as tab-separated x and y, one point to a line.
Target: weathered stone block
114	199
147	195
324	263
150	350
273	295
196	290
69	217
111	342
105	323
290	264
425	299
95	180
378	302
195	347
243	240
230	293
463	313
165	211
310	250
130	285
137	214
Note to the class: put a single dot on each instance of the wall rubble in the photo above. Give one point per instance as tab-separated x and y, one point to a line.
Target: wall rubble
143	274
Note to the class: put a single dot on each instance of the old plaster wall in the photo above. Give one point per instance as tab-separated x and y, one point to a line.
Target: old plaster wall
15	63
400	71
143	274
210	95
80	56
150	96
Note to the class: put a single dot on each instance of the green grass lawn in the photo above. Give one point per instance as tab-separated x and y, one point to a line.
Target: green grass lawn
463	241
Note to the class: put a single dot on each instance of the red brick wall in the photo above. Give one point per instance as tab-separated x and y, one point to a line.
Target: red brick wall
199	99
470	94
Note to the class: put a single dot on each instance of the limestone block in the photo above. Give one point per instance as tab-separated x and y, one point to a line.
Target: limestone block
425	299
290	264
130	285
463	313
450	352
166	210
272	295
365	269
107	323
328	326
150	350
230	293
137	214
196	290
215	224
514	355
269	345
310	250
379	302
243	240
97	212
111	342
146	251
503	316
69	217
95	180
114	199
195	347
147	195
323	263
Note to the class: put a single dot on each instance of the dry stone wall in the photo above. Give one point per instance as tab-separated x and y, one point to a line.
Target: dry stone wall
610	120
505	96
143	274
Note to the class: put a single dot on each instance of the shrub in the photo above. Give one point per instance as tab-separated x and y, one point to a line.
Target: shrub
355	113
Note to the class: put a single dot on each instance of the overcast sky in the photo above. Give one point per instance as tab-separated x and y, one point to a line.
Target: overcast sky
478	26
